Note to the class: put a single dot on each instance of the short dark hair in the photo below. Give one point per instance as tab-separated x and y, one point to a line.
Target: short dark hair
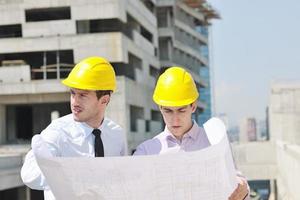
101	93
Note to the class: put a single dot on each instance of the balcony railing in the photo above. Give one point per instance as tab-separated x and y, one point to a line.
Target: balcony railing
52	71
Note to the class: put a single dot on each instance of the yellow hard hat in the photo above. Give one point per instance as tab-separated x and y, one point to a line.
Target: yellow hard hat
175	87
92	73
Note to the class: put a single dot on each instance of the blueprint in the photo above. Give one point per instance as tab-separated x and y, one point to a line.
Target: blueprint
204	174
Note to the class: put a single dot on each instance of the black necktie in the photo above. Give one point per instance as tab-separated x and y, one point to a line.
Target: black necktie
99	151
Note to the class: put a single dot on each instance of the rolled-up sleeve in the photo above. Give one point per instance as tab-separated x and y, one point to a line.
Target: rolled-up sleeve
31	174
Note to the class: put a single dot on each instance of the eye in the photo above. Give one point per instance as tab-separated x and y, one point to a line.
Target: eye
83	95
167	111
72	93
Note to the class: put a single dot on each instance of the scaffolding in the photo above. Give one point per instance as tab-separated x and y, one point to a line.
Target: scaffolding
204	7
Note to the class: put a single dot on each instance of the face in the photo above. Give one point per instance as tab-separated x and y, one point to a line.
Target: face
178	119
86	107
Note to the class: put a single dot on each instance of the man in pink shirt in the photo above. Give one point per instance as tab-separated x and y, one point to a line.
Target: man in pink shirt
176	95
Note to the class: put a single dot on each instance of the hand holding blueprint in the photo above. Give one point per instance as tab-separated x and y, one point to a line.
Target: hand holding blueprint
205	174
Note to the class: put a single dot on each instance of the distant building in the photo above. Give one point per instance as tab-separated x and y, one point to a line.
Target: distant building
267	124
224	118
248	130
262	130
284	117
233	134
284	124
272	167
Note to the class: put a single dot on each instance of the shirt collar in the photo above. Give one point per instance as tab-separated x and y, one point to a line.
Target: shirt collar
192	133
87	130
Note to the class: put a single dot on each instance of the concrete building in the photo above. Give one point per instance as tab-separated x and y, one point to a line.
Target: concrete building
183	41
284	117
258	162
205	96
205	75
40	41
67	31
284	120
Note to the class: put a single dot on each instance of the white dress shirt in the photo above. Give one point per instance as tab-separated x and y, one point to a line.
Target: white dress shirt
67	138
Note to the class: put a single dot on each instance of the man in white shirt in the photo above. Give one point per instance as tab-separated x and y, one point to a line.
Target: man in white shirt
84	133
176	95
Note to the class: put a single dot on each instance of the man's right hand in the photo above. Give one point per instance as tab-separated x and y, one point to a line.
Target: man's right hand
242	190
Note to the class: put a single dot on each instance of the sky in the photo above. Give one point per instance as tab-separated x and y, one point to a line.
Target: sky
253	44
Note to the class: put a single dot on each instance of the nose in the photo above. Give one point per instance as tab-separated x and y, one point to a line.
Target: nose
74	99
176	120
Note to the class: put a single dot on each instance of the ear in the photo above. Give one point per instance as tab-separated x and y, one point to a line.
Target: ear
160	108
194	106
105	99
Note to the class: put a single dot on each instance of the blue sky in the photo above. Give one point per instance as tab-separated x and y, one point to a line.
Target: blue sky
255	42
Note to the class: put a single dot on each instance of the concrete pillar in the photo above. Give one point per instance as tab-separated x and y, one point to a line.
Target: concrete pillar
169	17
22	193
170	50
28	197
54	115
11	124
2	124
273	190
